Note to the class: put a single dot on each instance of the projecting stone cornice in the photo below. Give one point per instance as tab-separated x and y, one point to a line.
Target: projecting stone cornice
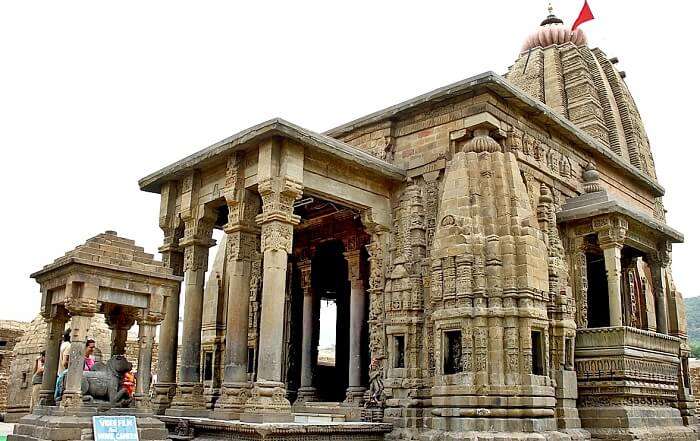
599	203
253	136
533	109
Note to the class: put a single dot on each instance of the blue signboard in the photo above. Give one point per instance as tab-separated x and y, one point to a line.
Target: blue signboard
115	428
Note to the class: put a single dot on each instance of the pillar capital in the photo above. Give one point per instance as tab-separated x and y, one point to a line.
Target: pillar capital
353	258
611	230
54	313
149	317
199	227
662	256
119	317
170	245
81	300
278	195
243	206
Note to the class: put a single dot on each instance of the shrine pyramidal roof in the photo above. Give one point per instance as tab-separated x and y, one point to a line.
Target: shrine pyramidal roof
108	250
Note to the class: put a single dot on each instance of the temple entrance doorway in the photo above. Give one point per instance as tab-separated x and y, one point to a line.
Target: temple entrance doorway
331	266
329	280
598	304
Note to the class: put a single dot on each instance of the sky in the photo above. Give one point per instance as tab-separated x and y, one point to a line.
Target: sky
95	95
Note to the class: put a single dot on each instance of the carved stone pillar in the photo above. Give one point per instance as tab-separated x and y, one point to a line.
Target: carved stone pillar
280	173
307	391
611	236
173	258
378	258
242	244
147	333
355	390
659	265
55	324
164	389
82	305
613	268
189	398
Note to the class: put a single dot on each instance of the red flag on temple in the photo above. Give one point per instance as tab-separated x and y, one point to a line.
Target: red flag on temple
584	16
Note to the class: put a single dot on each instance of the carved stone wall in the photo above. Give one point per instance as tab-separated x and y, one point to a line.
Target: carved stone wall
10	333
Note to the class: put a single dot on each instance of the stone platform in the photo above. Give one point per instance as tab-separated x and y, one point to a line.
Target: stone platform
200	429
56	424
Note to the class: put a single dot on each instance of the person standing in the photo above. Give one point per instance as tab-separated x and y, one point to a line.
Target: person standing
37	378
89	350
64	352
64	355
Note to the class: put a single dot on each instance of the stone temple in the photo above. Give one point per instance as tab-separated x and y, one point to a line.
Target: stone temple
496	250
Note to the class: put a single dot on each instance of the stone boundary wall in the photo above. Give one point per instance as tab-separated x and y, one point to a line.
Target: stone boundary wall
10	333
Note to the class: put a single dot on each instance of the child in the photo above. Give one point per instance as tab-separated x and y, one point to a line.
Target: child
129	383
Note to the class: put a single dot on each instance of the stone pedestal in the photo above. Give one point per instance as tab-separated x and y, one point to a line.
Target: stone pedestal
58	424
267	404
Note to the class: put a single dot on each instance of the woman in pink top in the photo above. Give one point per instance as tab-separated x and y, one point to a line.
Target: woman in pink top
89	349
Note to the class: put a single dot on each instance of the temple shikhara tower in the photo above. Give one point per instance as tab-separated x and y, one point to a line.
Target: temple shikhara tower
496	251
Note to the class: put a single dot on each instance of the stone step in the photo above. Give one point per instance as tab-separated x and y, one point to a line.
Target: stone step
318	418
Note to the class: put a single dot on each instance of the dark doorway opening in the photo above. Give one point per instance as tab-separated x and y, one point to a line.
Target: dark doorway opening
598	306
329	278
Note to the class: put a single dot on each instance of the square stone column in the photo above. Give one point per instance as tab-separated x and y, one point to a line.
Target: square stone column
356	390
307	391
56	323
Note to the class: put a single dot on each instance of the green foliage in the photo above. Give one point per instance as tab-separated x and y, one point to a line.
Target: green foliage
692	312
695	350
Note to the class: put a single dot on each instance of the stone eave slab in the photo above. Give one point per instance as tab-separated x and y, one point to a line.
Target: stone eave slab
613	206
544	115
56	266
253	135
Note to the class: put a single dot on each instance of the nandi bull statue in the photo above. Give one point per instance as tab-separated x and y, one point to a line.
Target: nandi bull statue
103	384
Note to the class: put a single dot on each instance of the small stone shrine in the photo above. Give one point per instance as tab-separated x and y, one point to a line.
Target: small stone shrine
111	276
